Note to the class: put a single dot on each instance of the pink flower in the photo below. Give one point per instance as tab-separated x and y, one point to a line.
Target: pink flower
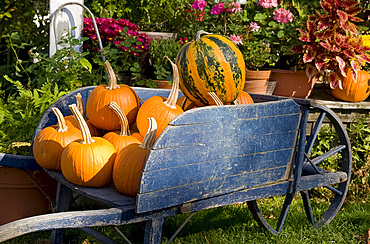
234	7
236	39
283	16
218	8
254	26
199	4
268	3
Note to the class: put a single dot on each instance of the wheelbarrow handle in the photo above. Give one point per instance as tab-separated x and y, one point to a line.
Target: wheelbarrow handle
18	161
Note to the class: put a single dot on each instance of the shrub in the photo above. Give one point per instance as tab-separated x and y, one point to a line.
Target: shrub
360	142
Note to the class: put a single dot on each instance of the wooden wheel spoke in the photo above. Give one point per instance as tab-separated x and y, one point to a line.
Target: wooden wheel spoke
307	207
333	189
284	212
315	132
328	154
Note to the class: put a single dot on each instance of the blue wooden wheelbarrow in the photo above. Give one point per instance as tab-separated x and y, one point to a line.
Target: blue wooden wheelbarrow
208	157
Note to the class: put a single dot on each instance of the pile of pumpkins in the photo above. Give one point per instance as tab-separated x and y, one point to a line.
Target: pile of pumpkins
113	143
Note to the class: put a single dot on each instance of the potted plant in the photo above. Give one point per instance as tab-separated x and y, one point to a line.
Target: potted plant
333	50
160	72
257	55
276	22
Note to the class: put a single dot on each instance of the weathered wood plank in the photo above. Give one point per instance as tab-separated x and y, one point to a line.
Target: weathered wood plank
233	112
260	192
240	129
191	192
318	180
71	219
208	170
107	195
18	161
218	149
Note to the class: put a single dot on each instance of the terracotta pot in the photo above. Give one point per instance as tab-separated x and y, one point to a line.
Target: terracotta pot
19	195
257	74
256	86
257	81
292	84
163	84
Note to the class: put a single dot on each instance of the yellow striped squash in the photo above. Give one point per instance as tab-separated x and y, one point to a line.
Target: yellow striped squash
211	63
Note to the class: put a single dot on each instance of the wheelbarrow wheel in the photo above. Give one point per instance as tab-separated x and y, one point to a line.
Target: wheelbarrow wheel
321	157
322	203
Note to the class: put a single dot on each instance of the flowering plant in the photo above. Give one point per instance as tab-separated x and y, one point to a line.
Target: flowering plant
123	45
223	17
333	45
274	23
111	32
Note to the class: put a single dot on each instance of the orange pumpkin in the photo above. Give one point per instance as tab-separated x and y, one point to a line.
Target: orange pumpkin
244	98
88	162
354	91
122	138
130	161
71	118
162	109
50	142
97	106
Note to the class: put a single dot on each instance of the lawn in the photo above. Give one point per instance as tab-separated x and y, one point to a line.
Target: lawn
235	224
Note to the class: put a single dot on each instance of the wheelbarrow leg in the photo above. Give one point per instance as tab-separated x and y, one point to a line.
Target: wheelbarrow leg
153	230
62	204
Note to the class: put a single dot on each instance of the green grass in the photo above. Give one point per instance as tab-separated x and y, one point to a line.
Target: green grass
235	224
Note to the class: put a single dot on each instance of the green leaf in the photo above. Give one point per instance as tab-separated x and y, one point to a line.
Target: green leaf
260	17
75	42
15	36
86	64
273	24
140	82
281	34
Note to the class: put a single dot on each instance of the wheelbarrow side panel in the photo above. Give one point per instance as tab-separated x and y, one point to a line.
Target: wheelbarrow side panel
229	148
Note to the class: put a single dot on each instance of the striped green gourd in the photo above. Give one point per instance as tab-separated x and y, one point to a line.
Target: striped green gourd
211	63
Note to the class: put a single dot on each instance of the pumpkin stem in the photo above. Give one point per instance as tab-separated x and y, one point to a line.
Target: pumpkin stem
112	84
80	105
174	94
150	135
216	99
122	117
86	135
62	126
201	32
